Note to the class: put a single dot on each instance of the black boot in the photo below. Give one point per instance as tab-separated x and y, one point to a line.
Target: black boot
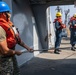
73	48
56	51
59	50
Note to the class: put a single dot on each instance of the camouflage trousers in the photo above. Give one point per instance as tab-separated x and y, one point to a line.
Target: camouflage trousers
9	66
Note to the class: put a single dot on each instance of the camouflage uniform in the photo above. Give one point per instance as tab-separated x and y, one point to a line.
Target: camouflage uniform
8	64
16	70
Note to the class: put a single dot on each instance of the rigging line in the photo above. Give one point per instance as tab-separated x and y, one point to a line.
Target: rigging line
26	51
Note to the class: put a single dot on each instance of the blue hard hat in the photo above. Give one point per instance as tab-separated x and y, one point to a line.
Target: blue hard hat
4	7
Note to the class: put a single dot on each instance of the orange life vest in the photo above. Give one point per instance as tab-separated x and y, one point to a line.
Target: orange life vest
10	35
71	19
60	22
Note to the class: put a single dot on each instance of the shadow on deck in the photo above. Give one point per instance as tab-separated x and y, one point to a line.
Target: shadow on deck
39	66
48	63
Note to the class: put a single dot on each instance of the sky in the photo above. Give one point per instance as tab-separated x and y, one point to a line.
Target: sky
63	7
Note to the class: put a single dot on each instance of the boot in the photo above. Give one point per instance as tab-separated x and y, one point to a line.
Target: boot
56	51
59	50
73	48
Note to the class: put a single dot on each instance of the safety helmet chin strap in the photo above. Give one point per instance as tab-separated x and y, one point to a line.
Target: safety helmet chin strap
7	16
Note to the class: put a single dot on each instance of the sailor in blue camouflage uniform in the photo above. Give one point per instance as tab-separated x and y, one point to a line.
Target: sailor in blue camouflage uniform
72	24
58	26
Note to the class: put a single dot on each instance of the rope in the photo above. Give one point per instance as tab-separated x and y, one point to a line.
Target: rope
26	51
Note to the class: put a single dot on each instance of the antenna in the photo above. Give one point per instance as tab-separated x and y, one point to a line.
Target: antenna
58	9
74	4
66	15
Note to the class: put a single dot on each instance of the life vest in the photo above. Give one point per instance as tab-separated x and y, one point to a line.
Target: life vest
10	35
60	23
71	20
